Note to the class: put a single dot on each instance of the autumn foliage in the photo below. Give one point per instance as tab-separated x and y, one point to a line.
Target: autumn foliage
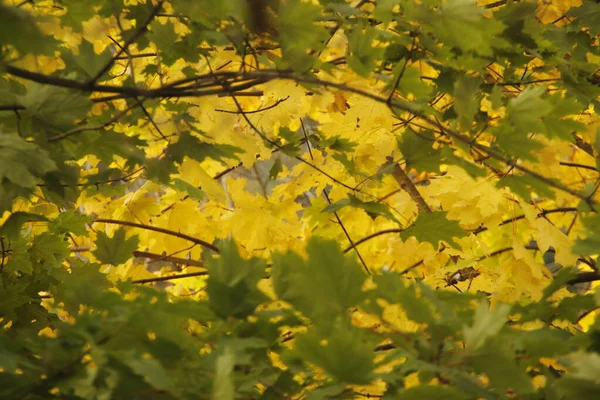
299	199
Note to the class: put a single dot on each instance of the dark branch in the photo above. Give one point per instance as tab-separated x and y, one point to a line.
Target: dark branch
171	259
170	277
12	107
406	184
371	236
575	165
585	277
161	230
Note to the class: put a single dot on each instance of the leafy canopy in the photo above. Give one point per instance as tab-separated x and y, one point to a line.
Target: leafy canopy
285	199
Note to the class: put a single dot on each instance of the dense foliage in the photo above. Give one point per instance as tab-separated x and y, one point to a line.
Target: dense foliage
287	199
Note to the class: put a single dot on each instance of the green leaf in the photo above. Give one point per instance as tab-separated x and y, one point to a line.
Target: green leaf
431	393
543	342
223	388
572	308
116	250
275	169
336	143
525	111
299	34
12	226
52	110
191	146
163	35
575	388
588	16
460	23
323	286
496	97
590	245
499	364
18	28
182	186
292	140
88	61
466	103
559	281
525	185
77	12
346	356
394	288
411	82
383	10
232	283
487	323
147	367
586	366
372	208
517	143
70	221
283	388
434	227
49	249
20	258
363	56
418	151
23	163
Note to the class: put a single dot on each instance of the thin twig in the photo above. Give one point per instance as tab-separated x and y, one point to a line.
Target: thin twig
337	217
169	277
278	102
167	258
138	32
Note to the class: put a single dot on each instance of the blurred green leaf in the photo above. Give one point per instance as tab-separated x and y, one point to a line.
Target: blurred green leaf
321	287
486	324
342	353
223	388
232	283
13	224
431	393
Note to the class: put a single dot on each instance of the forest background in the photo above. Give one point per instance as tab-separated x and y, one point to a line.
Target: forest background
286	199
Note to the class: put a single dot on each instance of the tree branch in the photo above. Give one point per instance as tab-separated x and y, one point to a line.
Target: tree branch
371	236
262	76
406	107
171	259
161	230
406	184
278	102
170	277
12	107
575	165
138	32
584	277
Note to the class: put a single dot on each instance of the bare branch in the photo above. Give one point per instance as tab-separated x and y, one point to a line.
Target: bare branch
161	230
406	184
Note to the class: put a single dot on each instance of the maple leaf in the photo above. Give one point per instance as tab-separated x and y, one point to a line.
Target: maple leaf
591	244
434	227
210	120
115	250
